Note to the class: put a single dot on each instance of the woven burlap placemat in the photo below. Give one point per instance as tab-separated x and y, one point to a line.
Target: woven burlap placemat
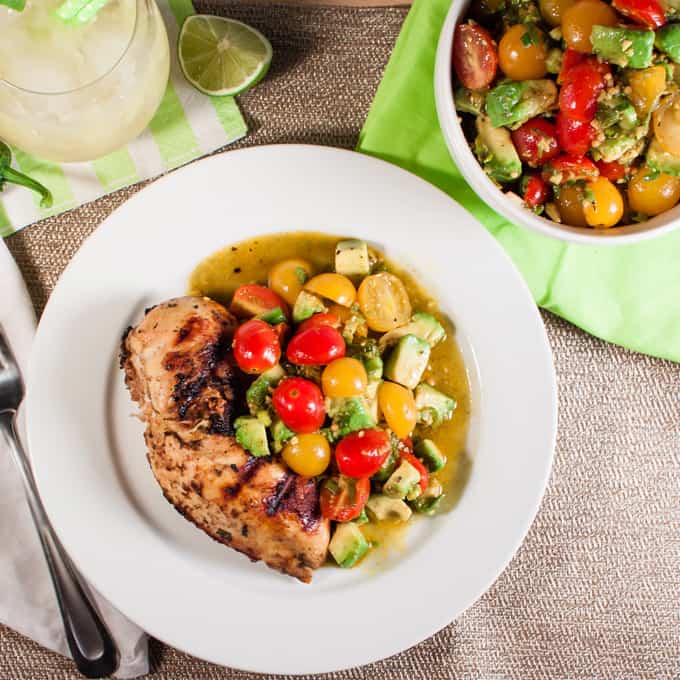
593	592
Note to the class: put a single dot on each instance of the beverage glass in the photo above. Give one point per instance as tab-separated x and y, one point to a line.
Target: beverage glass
75	92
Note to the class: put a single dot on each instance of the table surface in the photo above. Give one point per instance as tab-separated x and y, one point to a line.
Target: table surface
592	593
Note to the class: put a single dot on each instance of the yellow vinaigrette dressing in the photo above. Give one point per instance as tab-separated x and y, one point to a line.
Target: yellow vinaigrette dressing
220	274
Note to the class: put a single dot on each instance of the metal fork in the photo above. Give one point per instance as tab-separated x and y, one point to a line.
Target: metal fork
89	640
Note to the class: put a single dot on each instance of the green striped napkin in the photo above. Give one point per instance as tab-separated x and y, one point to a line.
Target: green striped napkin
629	295
187	125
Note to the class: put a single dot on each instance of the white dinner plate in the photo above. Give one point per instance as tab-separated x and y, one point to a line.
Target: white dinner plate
90	457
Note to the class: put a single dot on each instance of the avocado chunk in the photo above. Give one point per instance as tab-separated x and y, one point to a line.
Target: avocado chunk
514	102
407	361
274	316
354	326
660	160
382	507
433	406
430	454
257	395
496	152
368	353
428	502
306	305
280	435
422	325
401	480
362	518
667	40
628	47
616	110
349	414
351	258
554	60
468	101
348	545
251	434
390	464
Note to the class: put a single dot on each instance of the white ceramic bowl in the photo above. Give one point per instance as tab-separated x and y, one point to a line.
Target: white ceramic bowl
490	193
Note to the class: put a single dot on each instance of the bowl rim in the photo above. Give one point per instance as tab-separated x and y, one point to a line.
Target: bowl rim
513	210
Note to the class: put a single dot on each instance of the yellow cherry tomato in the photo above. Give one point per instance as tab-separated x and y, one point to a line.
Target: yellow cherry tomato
646	85
288	277
579	19
307	454
384	302
335	287
652	193
522	53
603	206
398	408
345	377
570	205
667	124
552	10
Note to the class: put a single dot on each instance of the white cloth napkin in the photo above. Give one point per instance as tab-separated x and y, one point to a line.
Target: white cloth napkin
27	600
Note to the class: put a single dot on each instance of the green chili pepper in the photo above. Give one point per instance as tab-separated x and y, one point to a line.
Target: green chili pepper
8	174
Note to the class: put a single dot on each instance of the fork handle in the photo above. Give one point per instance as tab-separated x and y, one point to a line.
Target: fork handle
92	647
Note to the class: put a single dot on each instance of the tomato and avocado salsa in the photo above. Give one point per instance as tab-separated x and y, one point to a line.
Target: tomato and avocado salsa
574	104
353	378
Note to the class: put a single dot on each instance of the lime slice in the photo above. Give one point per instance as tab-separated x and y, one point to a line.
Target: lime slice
221	56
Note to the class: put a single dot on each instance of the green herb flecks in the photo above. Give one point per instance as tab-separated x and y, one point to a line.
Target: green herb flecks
301	275
8	174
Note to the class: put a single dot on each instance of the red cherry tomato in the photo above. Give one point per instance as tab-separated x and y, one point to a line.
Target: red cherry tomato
567	168
424	474
254	300
322	319
315	346
645	12
570	59
613	171
475	58
581	88
536	191
536	141
575	136
343	498
256	346
299	403
361	453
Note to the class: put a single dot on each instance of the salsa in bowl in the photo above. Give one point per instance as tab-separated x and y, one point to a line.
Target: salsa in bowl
561	114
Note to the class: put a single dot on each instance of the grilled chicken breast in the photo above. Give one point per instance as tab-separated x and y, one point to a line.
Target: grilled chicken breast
178	368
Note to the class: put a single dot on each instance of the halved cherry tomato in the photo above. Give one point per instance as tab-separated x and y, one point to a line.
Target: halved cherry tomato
536	141
398	406
316	346
581	88
523	53
361	453
612	170
570	59
333	286
256	346
475	59
645	12
536	191
566	168
424	474
575	136
299	403
342	498
322	319
579	19
254	300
